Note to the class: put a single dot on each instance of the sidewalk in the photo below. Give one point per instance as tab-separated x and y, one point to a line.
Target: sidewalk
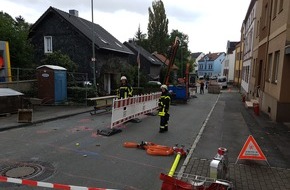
229	126
42	114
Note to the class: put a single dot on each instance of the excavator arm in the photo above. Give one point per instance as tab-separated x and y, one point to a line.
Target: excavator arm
171	55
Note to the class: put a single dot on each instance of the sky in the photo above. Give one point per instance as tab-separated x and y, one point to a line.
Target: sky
209	24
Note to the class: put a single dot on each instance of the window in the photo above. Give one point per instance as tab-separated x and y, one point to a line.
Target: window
275	8
269	67
276	66
258	27
281	5
47	44
103	40
254	68
266	15
118	44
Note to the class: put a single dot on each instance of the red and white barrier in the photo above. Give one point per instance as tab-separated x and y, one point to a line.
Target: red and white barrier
126	109
47	185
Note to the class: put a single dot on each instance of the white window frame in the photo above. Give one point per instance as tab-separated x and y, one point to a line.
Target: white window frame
48	44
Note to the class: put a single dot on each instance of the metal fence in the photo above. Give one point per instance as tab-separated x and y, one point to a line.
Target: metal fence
25	80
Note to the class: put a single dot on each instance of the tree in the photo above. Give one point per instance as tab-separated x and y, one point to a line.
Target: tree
16	33
182	53
63	60
140	36
157	27
141	39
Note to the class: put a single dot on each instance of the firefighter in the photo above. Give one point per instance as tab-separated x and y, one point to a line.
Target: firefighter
163	104
125	89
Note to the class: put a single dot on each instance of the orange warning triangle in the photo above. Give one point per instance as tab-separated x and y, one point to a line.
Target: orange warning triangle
251	150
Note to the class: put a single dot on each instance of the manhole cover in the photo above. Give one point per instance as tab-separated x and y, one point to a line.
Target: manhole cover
34	170
20	172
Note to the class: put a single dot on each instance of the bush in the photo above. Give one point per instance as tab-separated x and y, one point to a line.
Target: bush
79	94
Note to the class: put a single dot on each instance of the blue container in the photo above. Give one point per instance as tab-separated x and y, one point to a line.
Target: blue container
60	86
178	91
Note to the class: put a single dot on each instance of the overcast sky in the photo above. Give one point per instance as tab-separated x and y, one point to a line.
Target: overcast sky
208	23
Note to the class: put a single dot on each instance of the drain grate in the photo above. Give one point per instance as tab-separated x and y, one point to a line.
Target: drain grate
34	170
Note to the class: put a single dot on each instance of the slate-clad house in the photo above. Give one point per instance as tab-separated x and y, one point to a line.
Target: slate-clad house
58	30
149	64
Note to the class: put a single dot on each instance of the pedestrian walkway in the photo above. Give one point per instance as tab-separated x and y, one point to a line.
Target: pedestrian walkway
228	126
42	114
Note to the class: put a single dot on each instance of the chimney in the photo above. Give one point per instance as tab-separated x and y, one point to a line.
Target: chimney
74	12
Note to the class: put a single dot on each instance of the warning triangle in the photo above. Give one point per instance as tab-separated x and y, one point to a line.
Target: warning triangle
251	150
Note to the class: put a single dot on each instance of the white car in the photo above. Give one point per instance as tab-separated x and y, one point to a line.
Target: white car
222	81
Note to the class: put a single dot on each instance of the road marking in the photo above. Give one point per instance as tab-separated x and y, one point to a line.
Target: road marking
181	171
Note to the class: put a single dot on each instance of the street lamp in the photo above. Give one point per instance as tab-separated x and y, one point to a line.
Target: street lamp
93	46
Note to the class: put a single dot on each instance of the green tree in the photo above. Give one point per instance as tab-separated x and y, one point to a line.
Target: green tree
63	60
141	39
183	53
157	27
16	33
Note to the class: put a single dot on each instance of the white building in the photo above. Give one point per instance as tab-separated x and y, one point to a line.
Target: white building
248	35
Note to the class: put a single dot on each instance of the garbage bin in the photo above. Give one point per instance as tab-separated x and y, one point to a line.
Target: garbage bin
243	98
256	108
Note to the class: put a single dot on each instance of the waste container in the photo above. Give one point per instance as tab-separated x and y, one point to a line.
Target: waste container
256	108
52	84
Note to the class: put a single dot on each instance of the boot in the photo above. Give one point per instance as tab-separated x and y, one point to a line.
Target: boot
161	130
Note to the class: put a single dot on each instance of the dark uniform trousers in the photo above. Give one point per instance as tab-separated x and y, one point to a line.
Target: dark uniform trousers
164	102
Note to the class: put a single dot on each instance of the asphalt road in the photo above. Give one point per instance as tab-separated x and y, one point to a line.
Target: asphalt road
72	152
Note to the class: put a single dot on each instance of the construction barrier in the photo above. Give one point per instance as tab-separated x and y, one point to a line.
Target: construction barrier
45	184
130	108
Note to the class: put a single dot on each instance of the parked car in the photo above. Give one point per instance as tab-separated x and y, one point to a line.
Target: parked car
222	81
154	83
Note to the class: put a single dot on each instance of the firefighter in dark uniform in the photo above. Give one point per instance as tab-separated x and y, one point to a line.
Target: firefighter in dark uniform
125	89
163	104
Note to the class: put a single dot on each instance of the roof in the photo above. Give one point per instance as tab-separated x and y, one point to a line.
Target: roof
211	56
164	60
102	38
195	55
9	92
231	46
53	67
138	49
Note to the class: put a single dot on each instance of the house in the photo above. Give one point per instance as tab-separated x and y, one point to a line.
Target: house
228	65
80	39
238	64
211	64
269	72
249	28
149	66
196	57
165	62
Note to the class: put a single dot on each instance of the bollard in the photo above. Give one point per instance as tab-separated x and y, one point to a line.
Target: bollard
243	98
256	108
219	165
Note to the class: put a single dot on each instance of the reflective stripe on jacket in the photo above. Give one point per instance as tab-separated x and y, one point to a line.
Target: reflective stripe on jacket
164	103
125	91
